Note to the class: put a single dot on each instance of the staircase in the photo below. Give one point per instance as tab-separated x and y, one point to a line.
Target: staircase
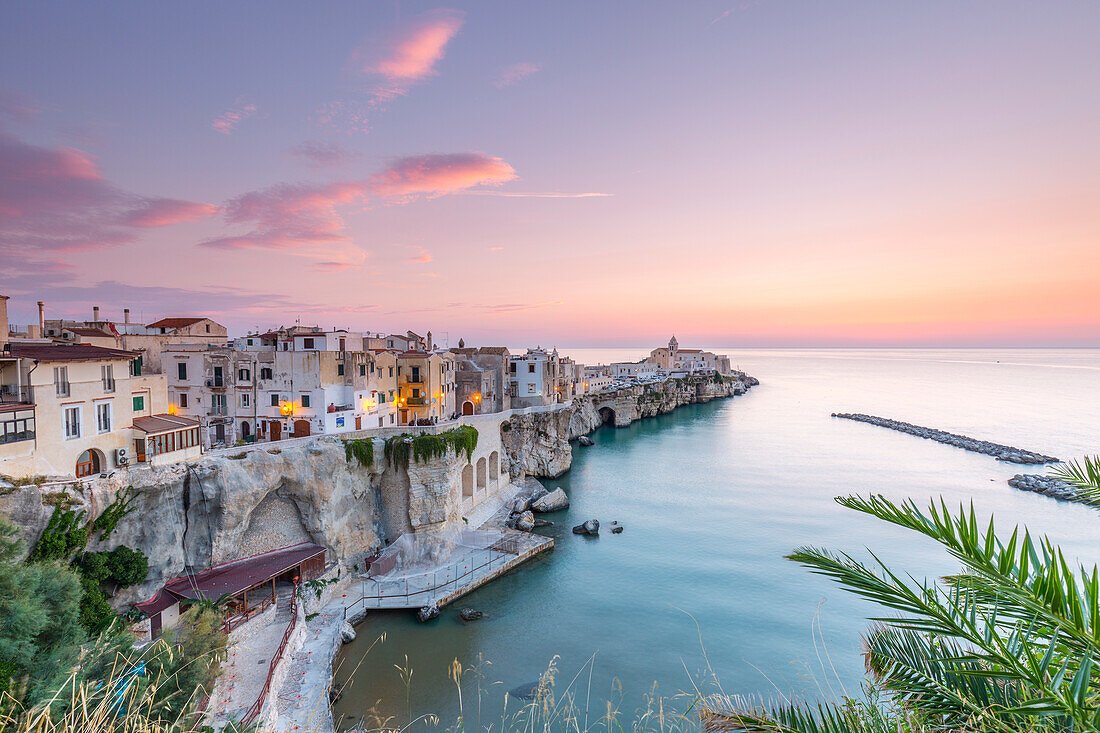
284	601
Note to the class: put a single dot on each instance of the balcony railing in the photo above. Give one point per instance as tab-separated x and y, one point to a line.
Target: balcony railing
416	401
17	394
217	410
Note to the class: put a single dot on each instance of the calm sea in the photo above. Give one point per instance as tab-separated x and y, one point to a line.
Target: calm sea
713	496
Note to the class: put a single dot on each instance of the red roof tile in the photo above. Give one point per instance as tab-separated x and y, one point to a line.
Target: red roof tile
176	322
239	575
67	352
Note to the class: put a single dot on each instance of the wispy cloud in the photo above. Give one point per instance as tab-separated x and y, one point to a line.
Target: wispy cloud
421	256
391	65
512	307
54	199
18	108
163	212
515	73
308	218
227	121
321	154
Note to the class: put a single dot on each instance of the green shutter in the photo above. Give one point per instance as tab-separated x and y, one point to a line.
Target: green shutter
139	403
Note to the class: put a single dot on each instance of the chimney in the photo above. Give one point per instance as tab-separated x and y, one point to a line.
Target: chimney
125	315
41	318
95	312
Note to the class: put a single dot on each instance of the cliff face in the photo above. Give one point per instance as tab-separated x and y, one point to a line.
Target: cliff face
537	443
216	509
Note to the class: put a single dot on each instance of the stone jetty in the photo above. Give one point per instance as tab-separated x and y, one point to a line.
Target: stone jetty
1047	486
1001	452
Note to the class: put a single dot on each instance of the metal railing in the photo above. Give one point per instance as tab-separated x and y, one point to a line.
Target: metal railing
232	622
500	551
254	711
16	394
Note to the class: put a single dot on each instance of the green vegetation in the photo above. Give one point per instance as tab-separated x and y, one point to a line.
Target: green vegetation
106	522
361	449
1012	643
65	534
424	447
1084	475
122	566
316	586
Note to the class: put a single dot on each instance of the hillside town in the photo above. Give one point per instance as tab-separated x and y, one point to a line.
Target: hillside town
79	398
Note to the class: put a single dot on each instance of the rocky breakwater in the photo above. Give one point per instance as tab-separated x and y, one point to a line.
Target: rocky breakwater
190	516
537	443
1001	452
1048	486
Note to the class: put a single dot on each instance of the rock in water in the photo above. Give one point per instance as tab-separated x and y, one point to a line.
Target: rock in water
543	523
470	614
525	522
427	613
525	692
347	632
616	528
584	440
591	527
519	506
555	501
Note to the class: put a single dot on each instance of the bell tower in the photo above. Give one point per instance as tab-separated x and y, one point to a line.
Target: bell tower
673	345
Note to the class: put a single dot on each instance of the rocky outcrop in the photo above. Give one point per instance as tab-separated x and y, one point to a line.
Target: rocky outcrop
537	443
1047	486
190	516
1001	452
590	527
555	501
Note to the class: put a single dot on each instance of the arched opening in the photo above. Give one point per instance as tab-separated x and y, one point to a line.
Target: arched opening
88	464
301	428
468	480
246	431
494	466
607	416
480	474
467	408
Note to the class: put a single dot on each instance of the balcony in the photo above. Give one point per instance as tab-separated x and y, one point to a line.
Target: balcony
217	410
13	394
416	401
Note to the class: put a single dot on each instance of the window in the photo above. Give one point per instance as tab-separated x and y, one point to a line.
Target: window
305	400
135	367
245	399
72	422
307	343
416	374
265	372
107	374
217	404
249	342
391	371
340	369
342	344
61	381
274	400
208	328
16	425
362	370
139	403
219	380
181	371
530	368
183	399
530	389
416	394
244	375
103	417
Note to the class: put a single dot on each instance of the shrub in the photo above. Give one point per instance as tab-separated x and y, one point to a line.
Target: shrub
64	535
361	449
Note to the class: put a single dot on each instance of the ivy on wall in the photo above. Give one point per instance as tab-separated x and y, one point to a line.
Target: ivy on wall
361	450
424	447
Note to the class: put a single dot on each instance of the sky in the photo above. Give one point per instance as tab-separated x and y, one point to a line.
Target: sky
750	173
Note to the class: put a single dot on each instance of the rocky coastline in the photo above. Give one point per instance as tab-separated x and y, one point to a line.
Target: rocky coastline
1004	453
1047	486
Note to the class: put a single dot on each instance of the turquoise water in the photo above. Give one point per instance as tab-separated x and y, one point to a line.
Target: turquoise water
713	496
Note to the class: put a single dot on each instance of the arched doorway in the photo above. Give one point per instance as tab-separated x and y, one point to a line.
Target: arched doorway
607	416
301	428
467	408
246	431
88	464
468	480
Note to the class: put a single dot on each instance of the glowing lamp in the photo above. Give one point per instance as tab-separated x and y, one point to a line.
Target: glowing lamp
286	408
172	410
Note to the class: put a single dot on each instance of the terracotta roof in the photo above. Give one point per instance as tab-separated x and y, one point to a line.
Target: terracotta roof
689	351
90	332
239	575
176	322
162	600
151	424
68	352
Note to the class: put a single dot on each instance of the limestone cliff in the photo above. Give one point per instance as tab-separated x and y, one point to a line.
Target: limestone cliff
537	443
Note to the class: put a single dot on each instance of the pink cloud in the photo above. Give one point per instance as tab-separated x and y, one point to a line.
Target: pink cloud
422	257
393	64
515	73
333	266
227	121
163	212
305	218
438	174
55	199
412	51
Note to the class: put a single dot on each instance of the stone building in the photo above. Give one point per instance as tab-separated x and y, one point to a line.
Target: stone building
482	382
673	359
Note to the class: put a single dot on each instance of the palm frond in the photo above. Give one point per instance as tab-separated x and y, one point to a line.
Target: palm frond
735	714
1083	476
